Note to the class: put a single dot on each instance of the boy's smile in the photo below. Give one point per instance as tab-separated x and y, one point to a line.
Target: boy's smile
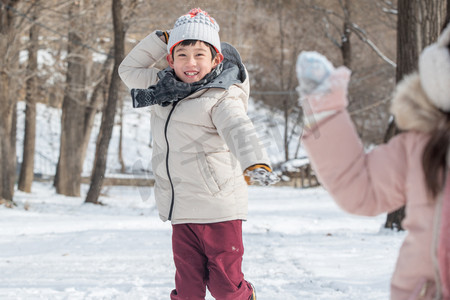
192	63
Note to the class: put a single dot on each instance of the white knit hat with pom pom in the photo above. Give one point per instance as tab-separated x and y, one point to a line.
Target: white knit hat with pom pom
434	71
195	25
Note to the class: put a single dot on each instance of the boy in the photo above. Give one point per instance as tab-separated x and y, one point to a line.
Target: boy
202	142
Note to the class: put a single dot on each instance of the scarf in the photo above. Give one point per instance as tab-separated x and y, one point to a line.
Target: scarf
170	89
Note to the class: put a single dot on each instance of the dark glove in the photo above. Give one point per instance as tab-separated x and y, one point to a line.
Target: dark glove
163	35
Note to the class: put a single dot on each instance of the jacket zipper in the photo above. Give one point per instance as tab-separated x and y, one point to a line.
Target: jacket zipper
167	161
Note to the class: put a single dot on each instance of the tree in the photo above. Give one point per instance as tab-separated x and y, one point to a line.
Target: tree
418	25
110	108
81	97
344	42
69	168
363	32
448	10
349	26
287	98
272	61
95	102
27	167
9	49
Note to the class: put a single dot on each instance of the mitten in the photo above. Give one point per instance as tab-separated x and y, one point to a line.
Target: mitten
260	174
312	71
163	35
322	87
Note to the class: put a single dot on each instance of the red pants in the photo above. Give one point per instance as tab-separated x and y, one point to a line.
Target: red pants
209	255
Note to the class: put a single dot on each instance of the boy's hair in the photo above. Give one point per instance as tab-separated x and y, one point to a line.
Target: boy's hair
192	43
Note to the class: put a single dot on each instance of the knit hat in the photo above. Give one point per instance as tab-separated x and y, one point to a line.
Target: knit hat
196	25
434	71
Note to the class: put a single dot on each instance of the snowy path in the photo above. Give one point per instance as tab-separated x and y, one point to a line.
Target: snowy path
298	245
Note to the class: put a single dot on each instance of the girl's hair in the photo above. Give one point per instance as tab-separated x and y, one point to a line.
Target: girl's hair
434	159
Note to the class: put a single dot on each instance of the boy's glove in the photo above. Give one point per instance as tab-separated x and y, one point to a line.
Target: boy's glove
260	174
322	87
163	35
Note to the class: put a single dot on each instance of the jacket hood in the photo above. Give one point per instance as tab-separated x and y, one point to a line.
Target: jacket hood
412	108
232	59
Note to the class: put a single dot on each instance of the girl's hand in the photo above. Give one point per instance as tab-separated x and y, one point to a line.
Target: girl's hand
322	87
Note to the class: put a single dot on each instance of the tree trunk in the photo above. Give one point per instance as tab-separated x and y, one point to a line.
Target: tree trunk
346	48
395	218
448	10
110	108
9	31
418	25
286	128
70	163
447	17
27	168
407	38
7	142
286	105
95	103
122	163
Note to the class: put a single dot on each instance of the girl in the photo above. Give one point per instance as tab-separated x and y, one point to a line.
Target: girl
412	169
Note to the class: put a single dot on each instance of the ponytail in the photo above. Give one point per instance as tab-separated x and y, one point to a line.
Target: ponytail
434	158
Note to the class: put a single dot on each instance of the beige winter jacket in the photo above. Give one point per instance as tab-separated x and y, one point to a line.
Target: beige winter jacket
201	145
385	179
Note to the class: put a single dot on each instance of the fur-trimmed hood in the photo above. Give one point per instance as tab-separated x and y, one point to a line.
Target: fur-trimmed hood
412	108
421	98
434	70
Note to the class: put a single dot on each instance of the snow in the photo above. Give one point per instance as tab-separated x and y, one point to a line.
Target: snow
294	164
298	245
136	140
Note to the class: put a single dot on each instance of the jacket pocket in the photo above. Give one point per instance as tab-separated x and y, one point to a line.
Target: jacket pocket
207	175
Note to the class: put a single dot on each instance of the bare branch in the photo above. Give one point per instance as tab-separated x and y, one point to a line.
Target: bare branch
361	34
328	34
388	7
369	107
326	11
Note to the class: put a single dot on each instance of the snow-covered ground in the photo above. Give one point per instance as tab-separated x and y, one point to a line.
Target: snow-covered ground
298	245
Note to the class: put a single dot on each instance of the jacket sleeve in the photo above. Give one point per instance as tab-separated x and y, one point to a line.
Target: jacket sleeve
137	69
235	127
361	183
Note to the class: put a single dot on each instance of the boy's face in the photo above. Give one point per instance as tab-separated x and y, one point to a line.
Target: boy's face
192	63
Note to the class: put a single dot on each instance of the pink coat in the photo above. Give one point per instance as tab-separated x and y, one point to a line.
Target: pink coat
380	181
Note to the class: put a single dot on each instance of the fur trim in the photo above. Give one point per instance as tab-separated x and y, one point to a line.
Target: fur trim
434	70
412	108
